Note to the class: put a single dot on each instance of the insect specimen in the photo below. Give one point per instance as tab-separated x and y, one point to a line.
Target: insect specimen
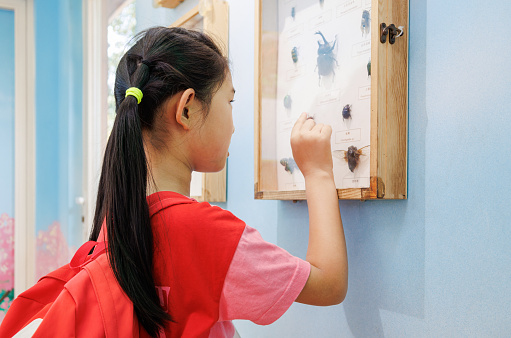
326	58
365	23
346	112
369	68
293	13
288	101
294	54
352	156
289	164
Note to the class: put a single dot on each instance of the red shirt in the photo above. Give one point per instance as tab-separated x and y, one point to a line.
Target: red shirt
210	268
193	246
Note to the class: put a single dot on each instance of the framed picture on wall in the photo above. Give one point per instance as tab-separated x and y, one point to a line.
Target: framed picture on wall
328	58
213	19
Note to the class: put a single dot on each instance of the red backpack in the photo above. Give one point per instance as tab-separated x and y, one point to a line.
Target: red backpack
80	299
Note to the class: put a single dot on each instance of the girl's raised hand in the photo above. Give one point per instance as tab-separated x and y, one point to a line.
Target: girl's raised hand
328	279
311	147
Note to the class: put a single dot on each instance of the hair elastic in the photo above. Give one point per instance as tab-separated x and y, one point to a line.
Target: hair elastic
134	91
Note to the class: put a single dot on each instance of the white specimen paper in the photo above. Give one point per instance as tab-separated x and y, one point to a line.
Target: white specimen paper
300	88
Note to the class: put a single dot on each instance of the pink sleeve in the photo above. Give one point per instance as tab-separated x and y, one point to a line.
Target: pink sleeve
262	282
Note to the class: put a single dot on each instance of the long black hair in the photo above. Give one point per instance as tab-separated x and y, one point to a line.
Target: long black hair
162	62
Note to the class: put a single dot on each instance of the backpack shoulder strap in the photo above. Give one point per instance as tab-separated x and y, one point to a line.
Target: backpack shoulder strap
119	319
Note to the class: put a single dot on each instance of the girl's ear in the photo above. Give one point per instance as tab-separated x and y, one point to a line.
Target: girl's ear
184	105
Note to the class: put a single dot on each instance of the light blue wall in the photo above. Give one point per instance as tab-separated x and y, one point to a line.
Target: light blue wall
7	112
58	39
439	263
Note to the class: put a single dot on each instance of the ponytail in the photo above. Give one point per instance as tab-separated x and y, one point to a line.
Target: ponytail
123	199
162	63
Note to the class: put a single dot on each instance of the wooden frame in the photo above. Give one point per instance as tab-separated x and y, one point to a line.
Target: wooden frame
388	105
215	22
168	3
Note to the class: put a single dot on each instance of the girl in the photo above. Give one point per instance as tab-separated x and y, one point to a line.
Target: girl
189	267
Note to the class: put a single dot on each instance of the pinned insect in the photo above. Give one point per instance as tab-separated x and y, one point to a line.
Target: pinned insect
352	156
293	13
326	58
369	68
346	112
288	101
289	164
365	23
294	54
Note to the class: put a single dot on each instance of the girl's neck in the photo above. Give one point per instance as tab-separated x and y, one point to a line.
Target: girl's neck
168	174
164	184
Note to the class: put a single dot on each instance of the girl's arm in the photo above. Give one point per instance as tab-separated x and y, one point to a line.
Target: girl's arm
328	280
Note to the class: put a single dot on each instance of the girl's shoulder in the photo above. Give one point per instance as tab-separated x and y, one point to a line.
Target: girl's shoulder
184	211
164	199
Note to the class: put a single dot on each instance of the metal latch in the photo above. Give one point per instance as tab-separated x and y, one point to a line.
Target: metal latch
392	31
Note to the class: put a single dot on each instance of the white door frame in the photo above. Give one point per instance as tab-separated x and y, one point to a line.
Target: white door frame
95	72
24	142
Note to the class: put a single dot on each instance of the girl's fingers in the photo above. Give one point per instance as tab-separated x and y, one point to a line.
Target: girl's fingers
318	127
323	129
299	123
327	130
309	124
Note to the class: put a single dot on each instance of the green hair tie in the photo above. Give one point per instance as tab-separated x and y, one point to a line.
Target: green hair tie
134	91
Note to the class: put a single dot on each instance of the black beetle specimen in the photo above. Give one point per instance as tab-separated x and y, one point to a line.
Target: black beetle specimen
346	112
365	23
369	68
326	57
294	54
352	156
289	164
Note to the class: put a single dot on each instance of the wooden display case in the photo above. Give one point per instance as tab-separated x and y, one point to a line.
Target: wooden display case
285	35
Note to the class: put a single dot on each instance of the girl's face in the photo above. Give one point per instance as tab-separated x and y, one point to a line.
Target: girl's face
210	142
